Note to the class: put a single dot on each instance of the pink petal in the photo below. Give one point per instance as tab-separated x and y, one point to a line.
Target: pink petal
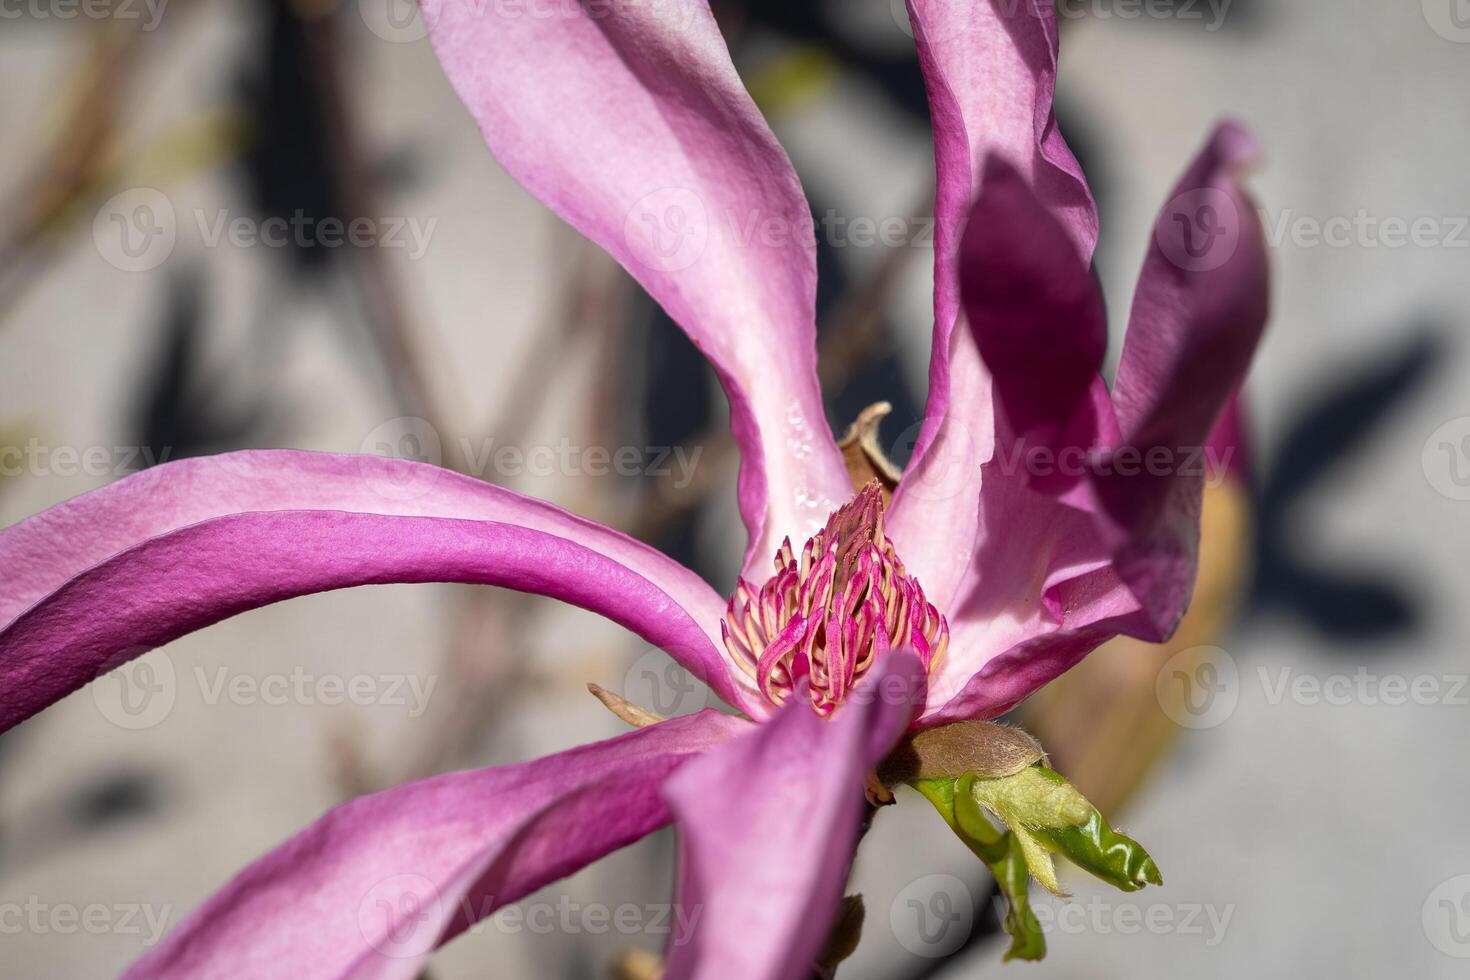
375	885
1037	316
1058	568
1228	448
629	121
1198	313
1098	598
1019	672
768	824
990	72
104	577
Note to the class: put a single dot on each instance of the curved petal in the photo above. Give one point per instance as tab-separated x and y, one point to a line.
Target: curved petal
106	576
375	885
1020	671
1198	314
629	121
990	73
1106	544
1041	567
1228	450
768	824
1037	315
1016	674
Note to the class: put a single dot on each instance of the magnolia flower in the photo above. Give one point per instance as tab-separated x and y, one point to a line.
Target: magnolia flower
990	569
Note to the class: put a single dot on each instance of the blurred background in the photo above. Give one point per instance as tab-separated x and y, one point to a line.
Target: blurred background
254	223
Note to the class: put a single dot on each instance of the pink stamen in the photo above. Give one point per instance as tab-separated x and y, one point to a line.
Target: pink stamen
830	615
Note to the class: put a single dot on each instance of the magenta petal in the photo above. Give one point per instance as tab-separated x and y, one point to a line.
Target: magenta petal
1198	313
629	121
1016	674
1037	315
1228	450
104	577
768	824
1058	568
374	886
990	73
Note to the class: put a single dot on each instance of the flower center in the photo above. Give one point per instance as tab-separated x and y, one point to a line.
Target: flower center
829	615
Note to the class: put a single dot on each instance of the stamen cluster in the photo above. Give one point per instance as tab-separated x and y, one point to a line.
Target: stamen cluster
828	616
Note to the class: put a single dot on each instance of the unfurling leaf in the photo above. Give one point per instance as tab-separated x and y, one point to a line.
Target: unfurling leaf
1043	813
1101	851
1002	854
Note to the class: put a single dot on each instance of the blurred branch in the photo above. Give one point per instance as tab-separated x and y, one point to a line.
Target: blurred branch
393	330
73	163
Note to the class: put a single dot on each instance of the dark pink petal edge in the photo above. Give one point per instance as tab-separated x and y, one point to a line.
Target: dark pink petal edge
768	824
375	885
